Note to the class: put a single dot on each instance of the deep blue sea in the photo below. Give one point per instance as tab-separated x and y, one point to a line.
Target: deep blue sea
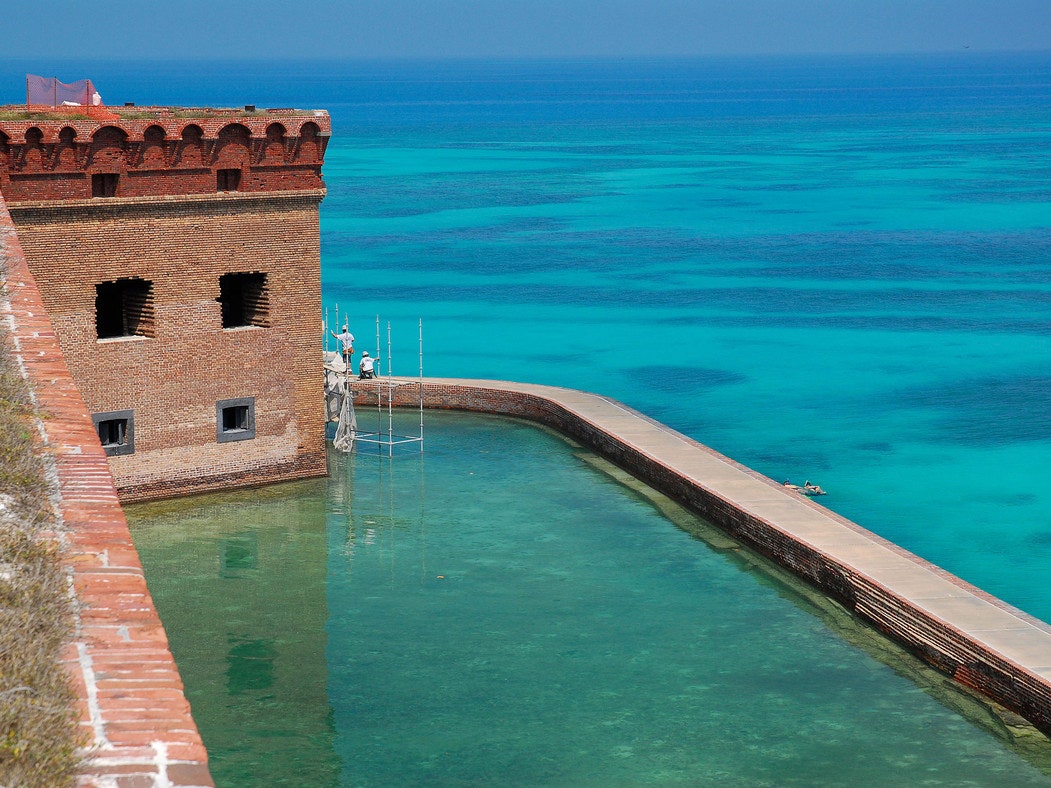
829	268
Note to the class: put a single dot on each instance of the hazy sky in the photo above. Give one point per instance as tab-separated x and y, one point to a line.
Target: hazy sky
516	28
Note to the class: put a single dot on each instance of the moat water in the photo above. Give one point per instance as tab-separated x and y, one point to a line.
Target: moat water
501	610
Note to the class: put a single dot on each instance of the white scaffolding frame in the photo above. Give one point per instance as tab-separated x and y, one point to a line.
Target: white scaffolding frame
384	435
387	437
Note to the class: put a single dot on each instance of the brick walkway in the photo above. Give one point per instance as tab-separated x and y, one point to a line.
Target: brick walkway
132	696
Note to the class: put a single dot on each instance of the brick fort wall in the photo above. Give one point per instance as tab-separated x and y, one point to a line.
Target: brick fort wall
173	379
179	203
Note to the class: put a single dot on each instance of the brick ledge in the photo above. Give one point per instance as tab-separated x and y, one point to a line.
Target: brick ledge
132	701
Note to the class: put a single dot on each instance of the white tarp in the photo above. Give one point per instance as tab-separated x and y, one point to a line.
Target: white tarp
347	429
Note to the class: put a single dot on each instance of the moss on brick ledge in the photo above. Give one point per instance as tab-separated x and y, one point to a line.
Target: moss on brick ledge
39	743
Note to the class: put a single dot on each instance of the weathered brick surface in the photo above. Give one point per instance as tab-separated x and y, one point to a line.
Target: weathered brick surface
132	704
169	224
957	650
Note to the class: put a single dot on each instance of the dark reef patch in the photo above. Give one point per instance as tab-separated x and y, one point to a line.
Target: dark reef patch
672	379
988	411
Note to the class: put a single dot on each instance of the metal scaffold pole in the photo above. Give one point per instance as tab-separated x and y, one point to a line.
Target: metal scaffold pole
390	398
385	435
420	385
379	378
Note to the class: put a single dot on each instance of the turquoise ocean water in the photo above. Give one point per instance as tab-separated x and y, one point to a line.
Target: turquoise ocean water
834	268
826	268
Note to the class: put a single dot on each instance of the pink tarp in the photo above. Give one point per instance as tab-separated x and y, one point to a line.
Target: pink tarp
50	92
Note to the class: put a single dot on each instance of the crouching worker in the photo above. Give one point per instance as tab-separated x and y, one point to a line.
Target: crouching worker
365	368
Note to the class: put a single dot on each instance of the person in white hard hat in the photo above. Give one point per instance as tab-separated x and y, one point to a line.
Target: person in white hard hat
365	368
346	341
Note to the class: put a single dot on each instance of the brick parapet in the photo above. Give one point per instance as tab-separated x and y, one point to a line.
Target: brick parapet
980	641
134	121
132	703
153	151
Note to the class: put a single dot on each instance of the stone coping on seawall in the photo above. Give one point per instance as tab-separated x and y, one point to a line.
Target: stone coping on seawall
132	704
979	640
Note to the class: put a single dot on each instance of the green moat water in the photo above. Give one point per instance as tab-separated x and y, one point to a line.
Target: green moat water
499	610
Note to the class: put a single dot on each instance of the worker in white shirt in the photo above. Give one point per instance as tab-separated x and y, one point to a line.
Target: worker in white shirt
365	368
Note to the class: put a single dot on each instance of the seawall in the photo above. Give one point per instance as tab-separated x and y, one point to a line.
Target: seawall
132	708
977	639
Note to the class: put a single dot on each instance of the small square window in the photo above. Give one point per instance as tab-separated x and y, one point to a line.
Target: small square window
104	184
227	180
116	431
235	419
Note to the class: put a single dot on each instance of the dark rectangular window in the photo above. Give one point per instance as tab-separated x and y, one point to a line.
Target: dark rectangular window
235	419
227	180
104	184
116	431
245	300
113	432
124	308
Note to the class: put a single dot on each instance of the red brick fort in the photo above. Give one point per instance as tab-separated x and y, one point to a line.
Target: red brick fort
178	255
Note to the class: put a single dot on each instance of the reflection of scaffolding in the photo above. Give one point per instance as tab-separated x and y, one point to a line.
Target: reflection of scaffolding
340	392
371	505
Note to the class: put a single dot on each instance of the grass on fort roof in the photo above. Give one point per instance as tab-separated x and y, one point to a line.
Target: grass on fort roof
21	114
181	112
39	740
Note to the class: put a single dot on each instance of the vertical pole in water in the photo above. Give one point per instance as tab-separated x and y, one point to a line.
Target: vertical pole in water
420	385
326	329
378	376
390	399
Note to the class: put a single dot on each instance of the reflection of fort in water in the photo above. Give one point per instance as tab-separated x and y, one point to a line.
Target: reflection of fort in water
255	664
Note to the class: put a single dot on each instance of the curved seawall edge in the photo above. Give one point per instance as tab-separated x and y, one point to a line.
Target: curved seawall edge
980	641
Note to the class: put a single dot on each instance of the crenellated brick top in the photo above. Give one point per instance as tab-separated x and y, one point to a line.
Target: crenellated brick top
159	151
